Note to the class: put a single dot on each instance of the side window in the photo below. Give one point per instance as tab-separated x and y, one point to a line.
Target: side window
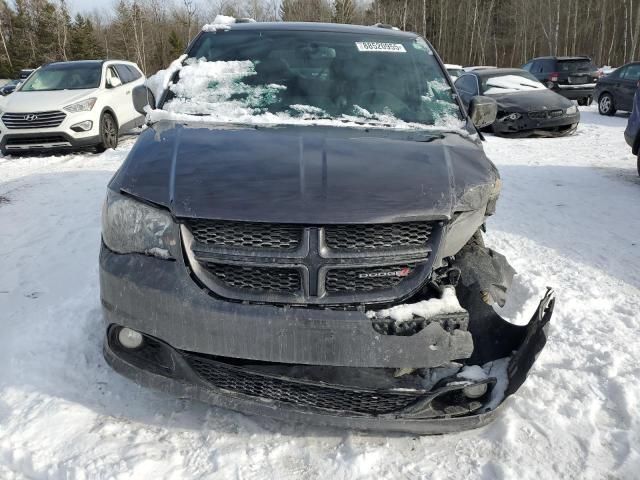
111	73
467	84
135	73
536	67
124	73
527	66
632	72
548	66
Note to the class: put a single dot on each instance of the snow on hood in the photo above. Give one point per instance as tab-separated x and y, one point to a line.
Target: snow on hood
511	83
39	101
213	92
221	22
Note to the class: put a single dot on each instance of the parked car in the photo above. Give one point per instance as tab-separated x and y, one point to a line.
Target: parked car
454	70
9	87
25	72
525	106
304	245
572	77
69	105
616	91
632	132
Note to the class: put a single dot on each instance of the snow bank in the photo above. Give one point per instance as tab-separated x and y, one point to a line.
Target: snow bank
425	309
512	83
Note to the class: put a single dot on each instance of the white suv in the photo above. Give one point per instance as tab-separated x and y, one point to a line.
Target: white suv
71	105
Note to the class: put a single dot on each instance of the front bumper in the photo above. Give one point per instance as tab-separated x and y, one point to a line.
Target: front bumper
564	125
183	324
20	142
439	410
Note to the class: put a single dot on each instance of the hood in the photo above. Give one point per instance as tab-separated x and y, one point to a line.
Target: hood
530	101
19	102
311	175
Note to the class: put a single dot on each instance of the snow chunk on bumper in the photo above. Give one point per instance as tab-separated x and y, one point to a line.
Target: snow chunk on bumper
426	309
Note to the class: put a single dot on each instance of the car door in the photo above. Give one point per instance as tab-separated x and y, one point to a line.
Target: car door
626	87
127	77
467	87
116	97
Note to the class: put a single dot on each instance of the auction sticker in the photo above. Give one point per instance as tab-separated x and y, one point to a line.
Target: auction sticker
380	47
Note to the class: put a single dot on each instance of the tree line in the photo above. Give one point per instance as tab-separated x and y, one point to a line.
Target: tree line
482	32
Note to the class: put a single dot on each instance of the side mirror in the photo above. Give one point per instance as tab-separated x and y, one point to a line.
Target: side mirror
114	82
142	97
483	111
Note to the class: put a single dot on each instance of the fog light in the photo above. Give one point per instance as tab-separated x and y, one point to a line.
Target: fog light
82	126
129	338
475	391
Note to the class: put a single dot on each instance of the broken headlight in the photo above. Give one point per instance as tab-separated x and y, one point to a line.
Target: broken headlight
131	226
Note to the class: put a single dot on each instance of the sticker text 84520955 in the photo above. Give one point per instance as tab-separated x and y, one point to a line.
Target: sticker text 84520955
380	47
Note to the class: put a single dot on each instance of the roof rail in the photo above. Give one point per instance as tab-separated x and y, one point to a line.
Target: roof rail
385	25
245	20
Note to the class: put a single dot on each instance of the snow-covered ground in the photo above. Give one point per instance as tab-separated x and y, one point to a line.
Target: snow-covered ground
569	217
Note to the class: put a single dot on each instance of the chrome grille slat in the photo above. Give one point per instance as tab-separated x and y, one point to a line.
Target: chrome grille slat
49	119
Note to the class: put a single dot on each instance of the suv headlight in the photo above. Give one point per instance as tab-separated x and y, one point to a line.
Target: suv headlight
130	226
83	106
572	110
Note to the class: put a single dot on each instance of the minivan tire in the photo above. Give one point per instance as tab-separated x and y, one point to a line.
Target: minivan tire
108	133
606	105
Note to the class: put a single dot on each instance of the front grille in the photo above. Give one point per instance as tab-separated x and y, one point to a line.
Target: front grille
33	120
366	279
299	393
246	234
381	236
36	140
546	114
311	264
263	279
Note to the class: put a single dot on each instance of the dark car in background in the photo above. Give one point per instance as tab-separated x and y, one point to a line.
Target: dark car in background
525	106
616	91
572	77
632	132
298	234
9	87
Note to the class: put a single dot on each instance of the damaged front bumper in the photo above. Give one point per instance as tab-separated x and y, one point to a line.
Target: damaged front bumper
317	366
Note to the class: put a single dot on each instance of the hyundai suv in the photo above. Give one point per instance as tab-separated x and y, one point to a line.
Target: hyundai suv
298	234
66	105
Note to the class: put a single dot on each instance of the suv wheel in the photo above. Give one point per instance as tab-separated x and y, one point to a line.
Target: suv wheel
605	105
108	133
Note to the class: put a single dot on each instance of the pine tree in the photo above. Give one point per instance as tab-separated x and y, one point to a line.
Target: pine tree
176	45
83	42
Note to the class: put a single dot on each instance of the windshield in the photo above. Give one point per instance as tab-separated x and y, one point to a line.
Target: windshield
578	65
64	77
284	77
513	81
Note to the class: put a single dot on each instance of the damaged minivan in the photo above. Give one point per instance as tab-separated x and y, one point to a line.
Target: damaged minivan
298	234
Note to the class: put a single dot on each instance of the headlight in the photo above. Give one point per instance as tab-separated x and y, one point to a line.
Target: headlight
572	110
130	226
511	117
83	106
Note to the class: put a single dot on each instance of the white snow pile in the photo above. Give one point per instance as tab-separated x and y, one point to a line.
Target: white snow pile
512	83
217	92
448	303
160	81
221	22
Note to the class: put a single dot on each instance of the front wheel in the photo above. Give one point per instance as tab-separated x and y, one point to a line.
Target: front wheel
108	133
582	101
606	106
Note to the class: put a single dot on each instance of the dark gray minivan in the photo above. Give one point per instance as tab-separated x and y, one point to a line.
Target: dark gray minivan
298	234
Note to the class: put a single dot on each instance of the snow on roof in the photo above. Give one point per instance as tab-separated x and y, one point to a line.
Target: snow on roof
221	22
